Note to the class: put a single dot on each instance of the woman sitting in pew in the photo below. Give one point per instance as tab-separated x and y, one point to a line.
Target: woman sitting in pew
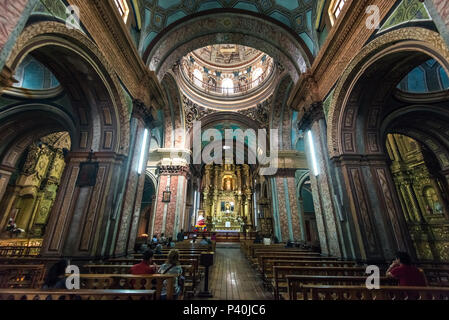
408	275
146	266
172	266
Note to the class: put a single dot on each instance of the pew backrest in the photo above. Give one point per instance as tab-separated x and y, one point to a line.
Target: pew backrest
312	292
34	294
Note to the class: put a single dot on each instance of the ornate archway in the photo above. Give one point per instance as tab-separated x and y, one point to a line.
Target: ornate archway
228	26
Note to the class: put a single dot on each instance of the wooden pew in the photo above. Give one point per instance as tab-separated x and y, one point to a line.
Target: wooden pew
256	262
295	283
130	282
318	262
437	277
34	294
194	277
312	292
257	250
279	282
21	276
263	258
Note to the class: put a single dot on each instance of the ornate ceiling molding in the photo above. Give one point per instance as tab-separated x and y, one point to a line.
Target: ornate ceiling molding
345	40
225	28
103	22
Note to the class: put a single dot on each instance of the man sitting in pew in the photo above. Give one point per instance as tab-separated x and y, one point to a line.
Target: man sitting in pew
408	275
146	266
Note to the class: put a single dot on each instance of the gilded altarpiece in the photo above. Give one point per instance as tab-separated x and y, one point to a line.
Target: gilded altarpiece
423	197
227	197
32	191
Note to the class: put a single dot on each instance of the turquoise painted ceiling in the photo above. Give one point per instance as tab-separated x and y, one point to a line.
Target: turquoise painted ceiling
294	14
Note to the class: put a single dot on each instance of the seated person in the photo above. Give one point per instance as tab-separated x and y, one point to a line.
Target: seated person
146	266
170	243
180	236
408	275
163	239
154	240
205	241
258	239
158	249
56	276
172	266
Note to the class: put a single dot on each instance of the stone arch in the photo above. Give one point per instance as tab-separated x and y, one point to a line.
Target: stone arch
218	117
173	114
281	115
19	128
228	26
401	47
95	86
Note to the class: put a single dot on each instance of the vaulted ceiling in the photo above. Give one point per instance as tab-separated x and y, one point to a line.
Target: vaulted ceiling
295	15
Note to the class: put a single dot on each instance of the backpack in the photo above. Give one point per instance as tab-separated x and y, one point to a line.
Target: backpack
181	278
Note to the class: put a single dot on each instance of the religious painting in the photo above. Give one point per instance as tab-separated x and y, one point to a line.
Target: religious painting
227	206
87	176
166	196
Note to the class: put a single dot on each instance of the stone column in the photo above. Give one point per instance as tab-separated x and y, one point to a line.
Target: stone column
136	182
80	215
168	216
324	197
288	213
379	223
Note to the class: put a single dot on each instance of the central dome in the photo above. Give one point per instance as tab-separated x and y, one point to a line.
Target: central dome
223	75
226	55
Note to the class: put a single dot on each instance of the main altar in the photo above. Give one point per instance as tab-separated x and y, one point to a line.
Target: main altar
227	195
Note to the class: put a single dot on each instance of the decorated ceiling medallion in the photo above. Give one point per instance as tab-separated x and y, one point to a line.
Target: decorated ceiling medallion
227	70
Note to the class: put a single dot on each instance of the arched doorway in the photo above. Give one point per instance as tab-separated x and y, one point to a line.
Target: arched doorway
91	108
366	107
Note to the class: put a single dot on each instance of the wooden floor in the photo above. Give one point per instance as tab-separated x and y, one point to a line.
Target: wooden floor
232	278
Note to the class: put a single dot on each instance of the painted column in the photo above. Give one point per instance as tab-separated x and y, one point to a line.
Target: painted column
168	215
287	205
79	216
378	220
327	217
143	118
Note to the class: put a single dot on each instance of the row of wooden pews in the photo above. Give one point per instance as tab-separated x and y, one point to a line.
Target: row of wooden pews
299	274
100	280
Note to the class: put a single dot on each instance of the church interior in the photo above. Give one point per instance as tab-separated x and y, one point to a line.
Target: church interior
277	148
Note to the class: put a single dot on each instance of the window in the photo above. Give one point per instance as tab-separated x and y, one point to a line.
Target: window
123	9
228	86
256	76
198	78
335	8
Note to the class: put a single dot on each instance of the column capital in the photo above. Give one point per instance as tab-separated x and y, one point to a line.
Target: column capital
311	115
143	112
174	171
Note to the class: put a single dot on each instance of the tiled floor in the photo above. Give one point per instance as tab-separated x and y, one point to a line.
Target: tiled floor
232	278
